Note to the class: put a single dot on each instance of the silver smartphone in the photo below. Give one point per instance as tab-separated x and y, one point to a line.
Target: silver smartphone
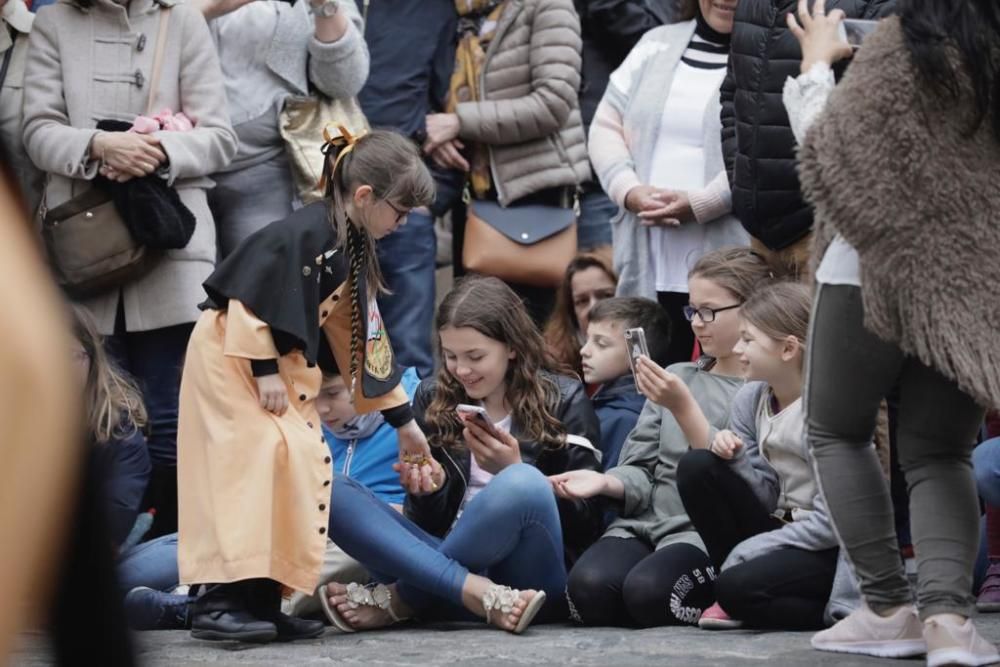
635	340
854	31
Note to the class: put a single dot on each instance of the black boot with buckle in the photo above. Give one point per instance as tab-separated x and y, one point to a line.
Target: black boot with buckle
221	613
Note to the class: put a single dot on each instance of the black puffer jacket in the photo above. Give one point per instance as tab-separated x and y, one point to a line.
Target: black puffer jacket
580	519
757	141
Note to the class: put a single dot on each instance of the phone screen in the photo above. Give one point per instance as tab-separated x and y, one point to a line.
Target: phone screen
854	31
635	340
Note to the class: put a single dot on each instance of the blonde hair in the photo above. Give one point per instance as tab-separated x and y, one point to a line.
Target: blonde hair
780	310
738	270
113	405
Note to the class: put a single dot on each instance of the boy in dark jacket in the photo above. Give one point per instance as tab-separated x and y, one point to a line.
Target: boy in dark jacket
606	362
757	140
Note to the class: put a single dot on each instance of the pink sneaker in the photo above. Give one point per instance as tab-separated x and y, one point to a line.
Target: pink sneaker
715	618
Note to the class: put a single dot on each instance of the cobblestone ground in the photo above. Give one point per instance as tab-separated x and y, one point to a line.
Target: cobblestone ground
467	645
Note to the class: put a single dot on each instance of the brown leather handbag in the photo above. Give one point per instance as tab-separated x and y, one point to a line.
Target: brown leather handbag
88	243
530	244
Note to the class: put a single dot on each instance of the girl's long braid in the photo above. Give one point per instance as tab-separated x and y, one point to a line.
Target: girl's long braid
355	253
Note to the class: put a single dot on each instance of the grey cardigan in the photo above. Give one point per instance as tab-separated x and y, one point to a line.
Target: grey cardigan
641	110
294	59
813	532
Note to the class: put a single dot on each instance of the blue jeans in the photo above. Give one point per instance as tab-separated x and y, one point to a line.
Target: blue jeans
594	226
510	532
407	258
152	564
986	466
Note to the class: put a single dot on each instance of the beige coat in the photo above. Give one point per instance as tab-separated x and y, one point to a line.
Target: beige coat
530	116
253	487
85	65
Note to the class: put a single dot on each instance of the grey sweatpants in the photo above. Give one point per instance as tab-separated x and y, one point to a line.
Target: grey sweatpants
848	373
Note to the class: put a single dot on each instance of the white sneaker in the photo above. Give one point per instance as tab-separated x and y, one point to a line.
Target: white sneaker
866	633
952	643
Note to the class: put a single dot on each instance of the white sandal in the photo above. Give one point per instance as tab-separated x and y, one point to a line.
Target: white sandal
372	595
503	598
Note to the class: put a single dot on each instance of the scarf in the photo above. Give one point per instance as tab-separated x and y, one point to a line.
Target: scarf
477	25
890	165
359	427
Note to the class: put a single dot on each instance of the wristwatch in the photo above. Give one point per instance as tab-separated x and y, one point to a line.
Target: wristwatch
326	8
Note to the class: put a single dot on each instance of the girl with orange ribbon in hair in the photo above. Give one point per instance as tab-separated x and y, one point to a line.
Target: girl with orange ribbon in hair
254	471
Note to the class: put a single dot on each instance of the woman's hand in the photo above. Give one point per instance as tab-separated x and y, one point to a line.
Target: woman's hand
663	388
493	453
818	34
273	393
418	472
725	445
127	154
449	156
645	198
580	484
441	128
675	209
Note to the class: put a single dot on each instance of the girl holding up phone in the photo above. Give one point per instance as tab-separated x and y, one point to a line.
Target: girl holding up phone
491	509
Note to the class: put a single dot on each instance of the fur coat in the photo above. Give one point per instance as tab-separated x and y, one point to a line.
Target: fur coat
893	167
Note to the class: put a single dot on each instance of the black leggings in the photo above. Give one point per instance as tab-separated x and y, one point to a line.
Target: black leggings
784	589
624	582
681	347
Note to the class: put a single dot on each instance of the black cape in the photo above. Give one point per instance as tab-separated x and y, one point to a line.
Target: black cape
282	273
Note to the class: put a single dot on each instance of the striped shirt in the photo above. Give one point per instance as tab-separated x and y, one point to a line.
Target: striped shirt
708	48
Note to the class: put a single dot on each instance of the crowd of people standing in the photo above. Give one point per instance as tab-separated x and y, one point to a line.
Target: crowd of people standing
720	350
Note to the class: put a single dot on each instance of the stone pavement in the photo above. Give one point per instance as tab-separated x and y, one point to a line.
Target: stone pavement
484	647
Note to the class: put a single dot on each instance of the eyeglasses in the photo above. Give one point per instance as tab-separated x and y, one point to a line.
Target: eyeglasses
705	313
400	213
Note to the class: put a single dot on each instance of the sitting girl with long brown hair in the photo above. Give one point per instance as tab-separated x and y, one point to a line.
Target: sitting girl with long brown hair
491	512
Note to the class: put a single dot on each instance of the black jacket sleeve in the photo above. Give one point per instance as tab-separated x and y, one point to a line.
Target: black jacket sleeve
127	469
581	519
434	512
728	116
617	25
879	9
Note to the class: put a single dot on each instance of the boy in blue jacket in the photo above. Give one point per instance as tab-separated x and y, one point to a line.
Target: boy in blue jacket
606	362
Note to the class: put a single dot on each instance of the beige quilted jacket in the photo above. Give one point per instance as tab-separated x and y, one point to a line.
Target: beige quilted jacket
530	115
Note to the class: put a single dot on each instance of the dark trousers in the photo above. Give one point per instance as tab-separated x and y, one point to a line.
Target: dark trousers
155	359
848	372
784	589
681	335
407	258
624	582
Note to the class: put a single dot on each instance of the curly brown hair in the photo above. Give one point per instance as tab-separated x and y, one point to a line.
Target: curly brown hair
562	329
490	307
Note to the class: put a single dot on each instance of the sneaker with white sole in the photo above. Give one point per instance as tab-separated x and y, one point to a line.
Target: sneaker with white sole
864	632
716	618
952	643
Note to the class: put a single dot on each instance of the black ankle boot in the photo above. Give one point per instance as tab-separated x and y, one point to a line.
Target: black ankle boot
265	602
221	613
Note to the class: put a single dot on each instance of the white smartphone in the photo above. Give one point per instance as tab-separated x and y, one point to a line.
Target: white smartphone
479	413
635	339
854	31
